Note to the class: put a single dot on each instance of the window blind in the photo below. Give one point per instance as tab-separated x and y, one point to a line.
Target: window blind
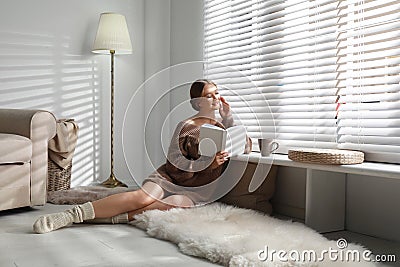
275	64
368	78
319	73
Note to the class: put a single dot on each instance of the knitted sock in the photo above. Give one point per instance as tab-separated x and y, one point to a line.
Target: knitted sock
76	214
120	218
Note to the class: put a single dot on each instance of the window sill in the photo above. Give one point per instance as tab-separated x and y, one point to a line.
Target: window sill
367	168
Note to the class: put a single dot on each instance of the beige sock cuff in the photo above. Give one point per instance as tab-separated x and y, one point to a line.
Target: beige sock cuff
87	211
120	218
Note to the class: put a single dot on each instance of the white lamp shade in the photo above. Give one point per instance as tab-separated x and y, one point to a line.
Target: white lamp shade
112	34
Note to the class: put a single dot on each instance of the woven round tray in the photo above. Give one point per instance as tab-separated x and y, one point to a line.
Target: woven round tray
326	156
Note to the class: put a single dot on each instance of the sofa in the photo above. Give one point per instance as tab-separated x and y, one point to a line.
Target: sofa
24	137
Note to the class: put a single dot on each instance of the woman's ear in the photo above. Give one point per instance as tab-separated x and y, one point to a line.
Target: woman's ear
195	103
199	103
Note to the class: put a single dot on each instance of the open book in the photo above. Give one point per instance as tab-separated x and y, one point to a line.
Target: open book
214	139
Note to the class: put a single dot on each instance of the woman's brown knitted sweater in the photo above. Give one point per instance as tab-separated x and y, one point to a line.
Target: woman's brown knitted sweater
185	167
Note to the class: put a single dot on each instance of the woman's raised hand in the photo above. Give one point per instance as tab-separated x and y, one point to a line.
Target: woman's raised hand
219	159
224	109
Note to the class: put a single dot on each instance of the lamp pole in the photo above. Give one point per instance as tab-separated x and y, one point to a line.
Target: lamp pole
112	181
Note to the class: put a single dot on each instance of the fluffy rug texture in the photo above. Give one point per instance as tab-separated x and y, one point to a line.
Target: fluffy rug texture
82	194
235	237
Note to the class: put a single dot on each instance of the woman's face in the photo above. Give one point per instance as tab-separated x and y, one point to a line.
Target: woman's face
210	98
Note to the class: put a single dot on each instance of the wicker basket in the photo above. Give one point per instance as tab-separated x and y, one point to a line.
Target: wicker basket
57	177
326	156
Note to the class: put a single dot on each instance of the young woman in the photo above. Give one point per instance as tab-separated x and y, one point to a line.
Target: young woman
168	186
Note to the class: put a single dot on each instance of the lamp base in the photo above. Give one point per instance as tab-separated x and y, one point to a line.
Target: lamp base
112	182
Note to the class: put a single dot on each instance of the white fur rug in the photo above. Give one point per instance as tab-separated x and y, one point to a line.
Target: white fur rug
234	237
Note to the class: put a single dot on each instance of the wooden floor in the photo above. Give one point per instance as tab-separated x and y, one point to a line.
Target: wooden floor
110	245
82	244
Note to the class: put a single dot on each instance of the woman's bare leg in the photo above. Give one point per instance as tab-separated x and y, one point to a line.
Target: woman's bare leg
128	201
164	204
103	208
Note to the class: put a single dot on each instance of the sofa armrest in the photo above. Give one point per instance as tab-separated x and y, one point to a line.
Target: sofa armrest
19	121
40	127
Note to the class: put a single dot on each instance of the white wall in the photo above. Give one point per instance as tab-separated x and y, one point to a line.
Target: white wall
290	194
186	54
372	206
371	202
46	63
173	37
157	54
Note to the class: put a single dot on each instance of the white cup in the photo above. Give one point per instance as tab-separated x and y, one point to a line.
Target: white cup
267	146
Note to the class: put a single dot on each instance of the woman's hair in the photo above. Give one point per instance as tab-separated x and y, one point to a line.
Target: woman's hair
196	91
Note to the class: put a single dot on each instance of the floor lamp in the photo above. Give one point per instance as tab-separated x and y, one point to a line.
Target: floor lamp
112	39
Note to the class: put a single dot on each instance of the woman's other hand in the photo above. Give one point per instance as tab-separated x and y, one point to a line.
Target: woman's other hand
224	109
219	159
